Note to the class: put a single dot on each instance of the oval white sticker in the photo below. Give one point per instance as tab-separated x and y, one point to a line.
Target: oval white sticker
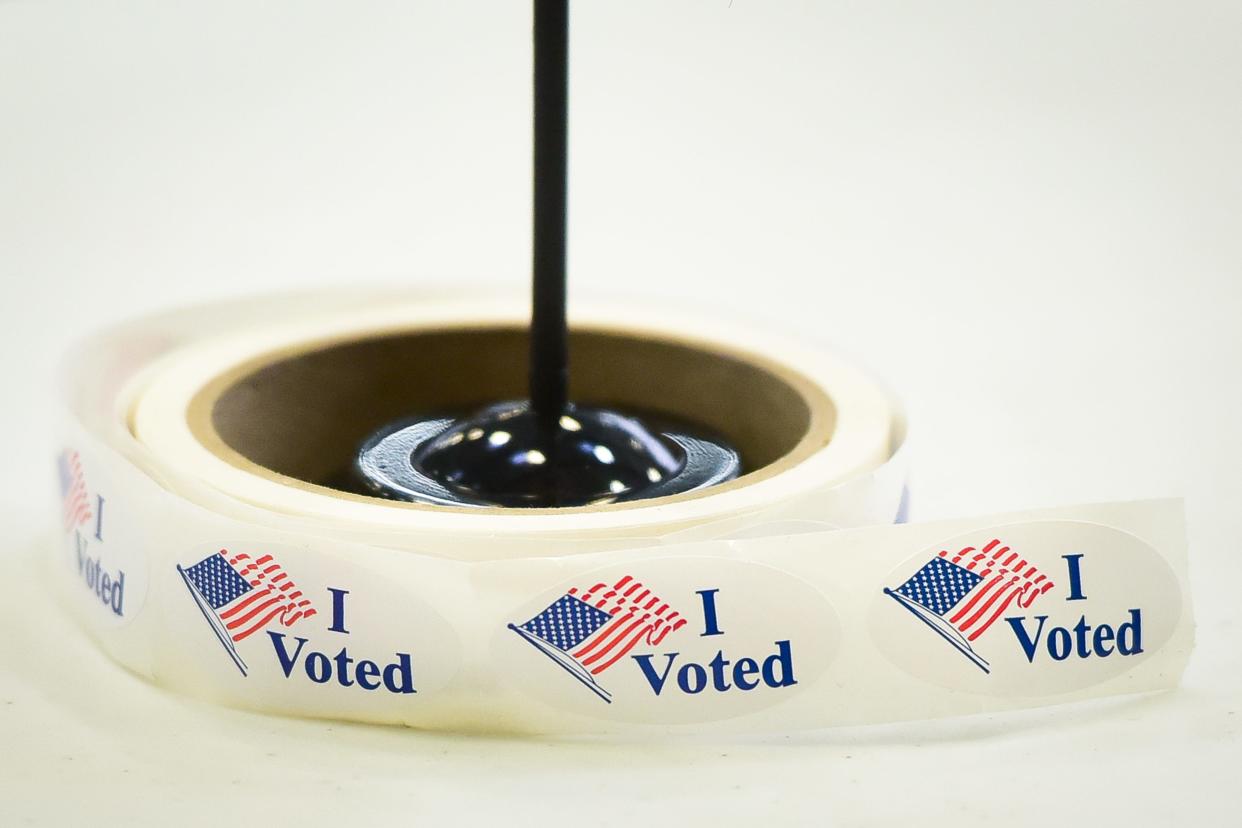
1027	609
103	552
671	640
292	629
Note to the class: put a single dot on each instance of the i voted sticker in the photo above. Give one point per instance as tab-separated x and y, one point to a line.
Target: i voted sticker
1027	609
107	567
287	624
671	640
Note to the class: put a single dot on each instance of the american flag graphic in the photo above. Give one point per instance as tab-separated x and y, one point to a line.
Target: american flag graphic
586	632
76	505
240	595
961	594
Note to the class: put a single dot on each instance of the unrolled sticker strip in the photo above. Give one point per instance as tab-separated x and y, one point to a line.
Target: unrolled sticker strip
769	628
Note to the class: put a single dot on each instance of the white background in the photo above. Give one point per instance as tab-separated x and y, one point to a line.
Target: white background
1026	216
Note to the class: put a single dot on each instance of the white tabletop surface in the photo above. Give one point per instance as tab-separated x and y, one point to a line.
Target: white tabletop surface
1025	216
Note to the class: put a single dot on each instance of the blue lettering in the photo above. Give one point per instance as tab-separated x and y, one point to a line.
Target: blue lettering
1081	640
367	671
710	625
338	610
1074	563
718	665
282	655
397	677
343	661
1059	643
318	668
656	680
108	589
1027	643
742	672
1130	635
118	593
1103	637
782	659
777	670
99	502
689	672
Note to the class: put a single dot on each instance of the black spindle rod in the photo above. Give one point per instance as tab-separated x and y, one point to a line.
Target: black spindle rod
549	332
542	459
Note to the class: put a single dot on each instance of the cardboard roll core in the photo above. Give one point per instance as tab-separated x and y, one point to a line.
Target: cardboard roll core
301	413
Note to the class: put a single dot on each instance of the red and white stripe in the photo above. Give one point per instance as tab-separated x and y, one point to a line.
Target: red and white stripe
638	616
1007	579
76	502
275	597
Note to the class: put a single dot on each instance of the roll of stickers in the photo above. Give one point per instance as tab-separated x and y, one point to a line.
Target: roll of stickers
215	545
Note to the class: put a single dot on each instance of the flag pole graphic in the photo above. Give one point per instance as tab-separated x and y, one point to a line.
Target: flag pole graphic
942	629
225	640
565	662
